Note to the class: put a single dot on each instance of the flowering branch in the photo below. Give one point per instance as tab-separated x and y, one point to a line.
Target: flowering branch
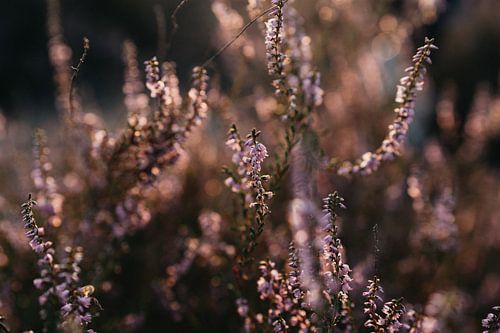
398	130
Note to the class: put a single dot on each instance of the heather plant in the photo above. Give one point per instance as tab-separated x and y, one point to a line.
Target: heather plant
170	218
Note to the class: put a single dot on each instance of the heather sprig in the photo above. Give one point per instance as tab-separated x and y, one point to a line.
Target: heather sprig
153	82
197	99
294	275
392	311
79	310
336	272
78	305
170	126
397	131
254	155
47	281
271	286
57	281
273	41
249	182
491	324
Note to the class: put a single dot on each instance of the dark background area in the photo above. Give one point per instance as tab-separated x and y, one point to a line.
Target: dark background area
26	88
468	34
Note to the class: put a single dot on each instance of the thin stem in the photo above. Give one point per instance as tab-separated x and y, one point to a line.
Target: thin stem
175	26
76	70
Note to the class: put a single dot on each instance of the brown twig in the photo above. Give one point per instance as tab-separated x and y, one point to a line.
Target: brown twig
175	26
76	70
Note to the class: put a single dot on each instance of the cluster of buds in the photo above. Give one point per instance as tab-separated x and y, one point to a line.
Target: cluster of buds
254	156
197	99
238	183
45	251
78	310
491	324
286	310
153	82
392	311
273	288
336	272
68	273
294	275
398	130
273	41
162	136
58	281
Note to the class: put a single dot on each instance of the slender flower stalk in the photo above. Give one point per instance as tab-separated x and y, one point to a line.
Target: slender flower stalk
45	251
153	82
197	100
373	298
272	287
254	156
392	311
294	275
405	98
273	41
337	274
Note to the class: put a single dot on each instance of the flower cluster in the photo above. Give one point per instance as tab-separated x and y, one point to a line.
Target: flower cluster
275	56
58	281
68	273
398	130
491	324
45	251
169	127
392	311
78	310
238	183
283	312
249	155
153	82
335	271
